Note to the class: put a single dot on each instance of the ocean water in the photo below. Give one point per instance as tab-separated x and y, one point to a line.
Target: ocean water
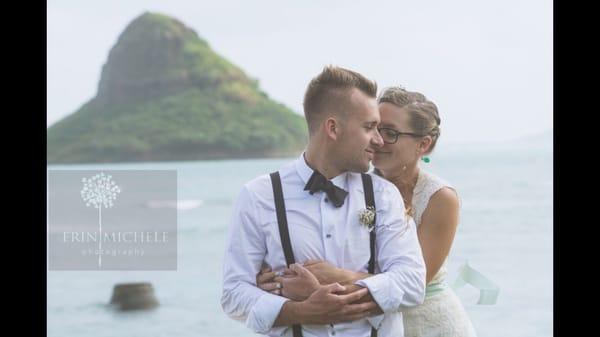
505	232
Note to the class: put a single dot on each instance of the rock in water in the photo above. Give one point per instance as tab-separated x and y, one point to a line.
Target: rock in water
134	296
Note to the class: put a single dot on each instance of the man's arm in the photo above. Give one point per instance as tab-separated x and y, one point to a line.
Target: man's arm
325	306
299	283
327	273
244	253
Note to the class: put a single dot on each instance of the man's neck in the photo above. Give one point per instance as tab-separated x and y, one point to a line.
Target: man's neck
318	159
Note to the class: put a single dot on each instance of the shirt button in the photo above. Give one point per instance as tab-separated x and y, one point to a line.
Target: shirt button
328	236
326	200
333	332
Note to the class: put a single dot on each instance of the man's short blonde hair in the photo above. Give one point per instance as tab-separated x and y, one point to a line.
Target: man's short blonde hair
329	93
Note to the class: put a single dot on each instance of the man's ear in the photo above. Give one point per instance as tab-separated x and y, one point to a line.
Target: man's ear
332	128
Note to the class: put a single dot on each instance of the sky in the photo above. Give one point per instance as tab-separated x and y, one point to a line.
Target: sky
488	65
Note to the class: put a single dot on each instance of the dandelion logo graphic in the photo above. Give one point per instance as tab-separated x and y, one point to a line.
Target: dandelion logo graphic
99	191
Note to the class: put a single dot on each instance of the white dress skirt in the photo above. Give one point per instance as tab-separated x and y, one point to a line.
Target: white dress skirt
441	315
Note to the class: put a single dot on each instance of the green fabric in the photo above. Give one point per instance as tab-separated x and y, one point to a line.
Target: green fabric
434	288
488	290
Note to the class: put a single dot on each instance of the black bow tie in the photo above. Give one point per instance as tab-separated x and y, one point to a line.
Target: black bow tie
318	182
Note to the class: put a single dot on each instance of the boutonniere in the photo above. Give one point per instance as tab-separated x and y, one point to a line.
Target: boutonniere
367	218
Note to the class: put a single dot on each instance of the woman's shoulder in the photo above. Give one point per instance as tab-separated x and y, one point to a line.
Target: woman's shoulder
445	197
434	195
437	190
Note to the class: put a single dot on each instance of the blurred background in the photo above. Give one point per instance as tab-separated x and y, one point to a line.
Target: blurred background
214	90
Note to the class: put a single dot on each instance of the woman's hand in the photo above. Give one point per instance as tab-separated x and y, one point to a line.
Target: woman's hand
327	273
265	281
297	283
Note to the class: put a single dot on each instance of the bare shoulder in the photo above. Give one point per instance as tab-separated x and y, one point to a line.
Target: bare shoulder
442	204
445	196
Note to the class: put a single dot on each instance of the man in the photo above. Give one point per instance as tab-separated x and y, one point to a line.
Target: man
323	194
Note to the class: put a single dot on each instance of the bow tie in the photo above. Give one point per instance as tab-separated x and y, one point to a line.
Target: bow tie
318	182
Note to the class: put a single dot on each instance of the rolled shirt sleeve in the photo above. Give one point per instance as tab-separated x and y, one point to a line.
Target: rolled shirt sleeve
401	282
264	312
241	299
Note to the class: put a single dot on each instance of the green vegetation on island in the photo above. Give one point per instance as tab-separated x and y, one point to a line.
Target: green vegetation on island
165	95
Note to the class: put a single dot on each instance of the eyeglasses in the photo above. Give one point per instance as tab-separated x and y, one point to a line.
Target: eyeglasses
390	136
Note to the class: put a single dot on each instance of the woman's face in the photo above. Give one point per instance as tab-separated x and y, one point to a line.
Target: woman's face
392	157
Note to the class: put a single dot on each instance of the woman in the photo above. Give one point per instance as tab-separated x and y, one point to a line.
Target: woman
410	130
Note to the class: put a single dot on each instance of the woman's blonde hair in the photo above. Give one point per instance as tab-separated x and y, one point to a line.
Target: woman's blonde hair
424	117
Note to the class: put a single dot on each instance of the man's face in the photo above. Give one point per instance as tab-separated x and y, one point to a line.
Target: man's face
359	138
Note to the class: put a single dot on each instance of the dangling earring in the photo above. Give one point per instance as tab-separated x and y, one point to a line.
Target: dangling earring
424	158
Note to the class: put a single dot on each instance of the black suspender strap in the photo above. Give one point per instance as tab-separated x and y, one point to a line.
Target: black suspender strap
282	219
370	202
284	233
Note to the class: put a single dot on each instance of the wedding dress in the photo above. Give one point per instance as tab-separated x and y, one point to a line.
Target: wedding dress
441	314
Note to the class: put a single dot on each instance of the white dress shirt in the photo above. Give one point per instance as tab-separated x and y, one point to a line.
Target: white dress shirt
319	230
